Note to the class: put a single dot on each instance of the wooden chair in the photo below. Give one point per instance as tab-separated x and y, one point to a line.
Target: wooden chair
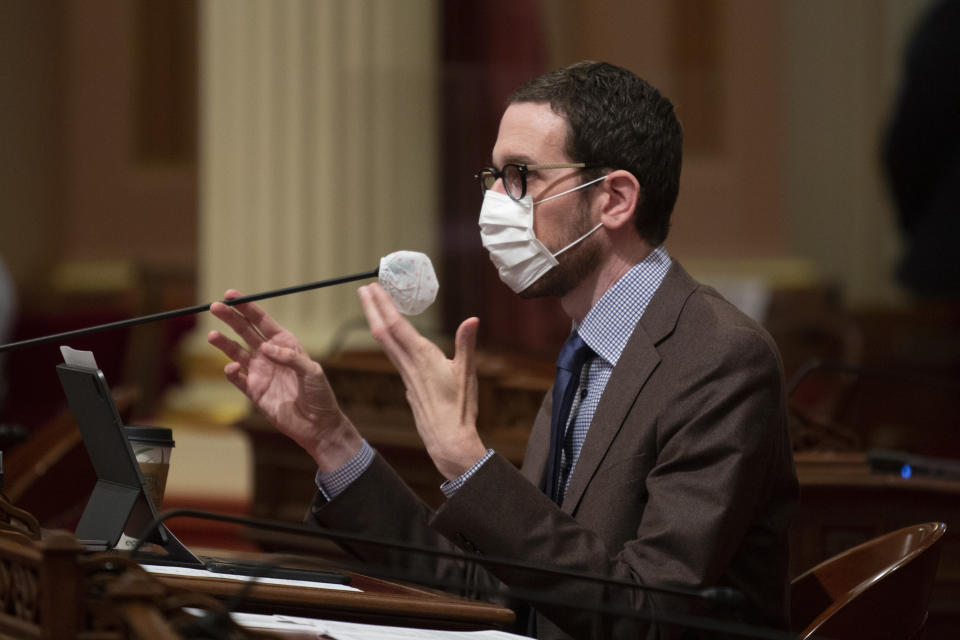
879	589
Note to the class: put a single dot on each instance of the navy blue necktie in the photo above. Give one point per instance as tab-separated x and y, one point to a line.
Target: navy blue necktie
573	356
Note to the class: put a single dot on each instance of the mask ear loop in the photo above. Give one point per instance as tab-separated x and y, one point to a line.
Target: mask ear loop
576	188
578	240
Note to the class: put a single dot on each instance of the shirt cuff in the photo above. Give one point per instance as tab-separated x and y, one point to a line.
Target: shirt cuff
333	483
450	487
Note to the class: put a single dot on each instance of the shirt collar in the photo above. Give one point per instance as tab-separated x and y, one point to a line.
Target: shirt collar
608	325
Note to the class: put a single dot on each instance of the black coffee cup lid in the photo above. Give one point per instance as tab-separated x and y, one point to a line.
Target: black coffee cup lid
157	436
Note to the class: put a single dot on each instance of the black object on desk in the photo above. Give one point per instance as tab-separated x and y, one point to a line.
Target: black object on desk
119	502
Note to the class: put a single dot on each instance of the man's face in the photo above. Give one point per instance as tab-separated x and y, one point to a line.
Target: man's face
531	133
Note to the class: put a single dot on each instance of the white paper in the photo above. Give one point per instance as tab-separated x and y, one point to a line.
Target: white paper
76	358
356	631
203	573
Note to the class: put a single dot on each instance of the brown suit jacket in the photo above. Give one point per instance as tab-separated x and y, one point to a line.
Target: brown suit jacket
685	479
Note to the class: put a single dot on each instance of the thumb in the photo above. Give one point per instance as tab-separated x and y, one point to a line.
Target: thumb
465	344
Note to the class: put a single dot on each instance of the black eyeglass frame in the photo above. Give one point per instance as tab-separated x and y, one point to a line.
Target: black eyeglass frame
487	173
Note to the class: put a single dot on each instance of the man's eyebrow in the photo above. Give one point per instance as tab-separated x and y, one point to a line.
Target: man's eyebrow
518	159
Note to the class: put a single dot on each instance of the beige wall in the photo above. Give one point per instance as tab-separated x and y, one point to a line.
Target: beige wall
319	121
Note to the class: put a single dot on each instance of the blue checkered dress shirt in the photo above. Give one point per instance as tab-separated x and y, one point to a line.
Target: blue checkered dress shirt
606	329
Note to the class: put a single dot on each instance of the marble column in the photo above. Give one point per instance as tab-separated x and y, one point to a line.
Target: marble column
318	149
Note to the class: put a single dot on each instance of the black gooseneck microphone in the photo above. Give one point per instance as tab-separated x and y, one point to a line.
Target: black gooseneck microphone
164	315
717	596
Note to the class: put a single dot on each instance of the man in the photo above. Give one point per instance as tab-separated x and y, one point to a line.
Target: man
673	467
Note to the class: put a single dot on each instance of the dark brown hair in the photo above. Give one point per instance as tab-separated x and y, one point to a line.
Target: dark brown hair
617	120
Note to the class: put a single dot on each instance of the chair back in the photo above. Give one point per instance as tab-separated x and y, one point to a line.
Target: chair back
880	588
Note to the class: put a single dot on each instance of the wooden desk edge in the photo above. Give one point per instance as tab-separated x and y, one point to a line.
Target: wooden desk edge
422	604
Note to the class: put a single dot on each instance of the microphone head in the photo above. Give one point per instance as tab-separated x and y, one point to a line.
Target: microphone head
409	278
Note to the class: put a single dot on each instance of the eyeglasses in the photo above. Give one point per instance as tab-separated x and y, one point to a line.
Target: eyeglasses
514	176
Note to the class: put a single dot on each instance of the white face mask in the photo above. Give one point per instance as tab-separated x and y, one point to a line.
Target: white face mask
506	230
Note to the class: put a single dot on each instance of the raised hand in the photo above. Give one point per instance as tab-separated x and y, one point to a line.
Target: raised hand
441	392
284	383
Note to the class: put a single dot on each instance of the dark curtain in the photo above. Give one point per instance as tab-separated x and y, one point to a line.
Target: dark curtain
489	48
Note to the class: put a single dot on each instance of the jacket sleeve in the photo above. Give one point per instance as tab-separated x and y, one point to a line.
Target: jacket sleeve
378	504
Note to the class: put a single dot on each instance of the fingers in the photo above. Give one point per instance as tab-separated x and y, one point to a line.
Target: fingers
297	360
388	327
236	371
255	314
230	348
238	322
236	375
248	320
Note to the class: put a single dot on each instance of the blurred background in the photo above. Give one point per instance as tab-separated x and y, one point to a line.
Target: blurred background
155	153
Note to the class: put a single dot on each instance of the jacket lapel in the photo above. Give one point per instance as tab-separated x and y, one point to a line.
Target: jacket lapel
538	445
638	360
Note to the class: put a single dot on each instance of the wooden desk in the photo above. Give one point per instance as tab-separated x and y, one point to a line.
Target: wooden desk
378	602
55	590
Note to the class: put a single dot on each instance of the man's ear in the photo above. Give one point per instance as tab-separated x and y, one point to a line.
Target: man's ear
623	194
